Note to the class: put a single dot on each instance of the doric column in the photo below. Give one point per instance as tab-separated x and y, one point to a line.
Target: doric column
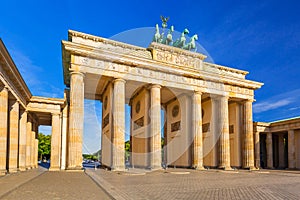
248	155
76	120
64	137
13	136
224	142
55	142
32	154
36	152
28	142
257	150
118	137
155	127
197	132
22	141
291	149
3	128
269	150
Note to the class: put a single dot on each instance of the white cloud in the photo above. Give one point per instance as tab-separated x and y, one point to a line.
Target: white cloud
270	105
290	98
26	67
295	108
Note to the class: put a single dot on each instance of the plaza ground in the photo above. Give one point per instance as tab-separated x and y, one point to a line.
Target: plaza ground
161	184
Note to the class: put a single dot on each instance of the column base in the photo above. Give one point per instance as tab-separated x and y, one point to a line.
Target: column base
116	169
3	172
253	168
13	170
201	169
22	169
226	168
28	167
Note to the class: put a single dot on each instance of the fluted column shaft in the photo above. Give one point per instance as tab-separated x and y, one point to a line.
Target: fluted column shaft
118	137
33	136
3	128
64	137
76	120
36	152
291	149
13	136
269	144
28	143
257	150
155	127
224	142
197	131
55	142
248	160
22	141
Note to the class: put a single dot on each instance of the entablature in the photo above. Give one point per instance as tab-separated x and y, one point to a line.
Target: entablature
162	64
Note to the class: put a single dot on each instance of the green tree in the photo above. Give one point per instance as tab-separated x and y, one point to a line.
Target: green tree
44	146
127	149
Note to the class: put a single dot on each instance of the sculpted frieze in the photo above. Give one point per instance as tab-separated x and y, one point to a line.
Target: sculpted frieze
109	68
173	58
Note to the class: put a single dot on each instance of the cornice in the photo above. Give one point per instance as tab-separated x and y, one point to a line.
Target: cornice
72	33
56	101
229	69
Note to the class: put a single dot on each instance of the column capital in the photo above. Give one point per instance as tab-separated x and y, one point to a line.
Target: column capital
77	73
198	92
154	86
4	87
219	96
118	80
248	100
55	114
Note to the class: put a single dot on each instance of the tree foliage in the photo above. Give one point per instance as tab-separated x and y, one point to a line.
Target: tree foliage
44	146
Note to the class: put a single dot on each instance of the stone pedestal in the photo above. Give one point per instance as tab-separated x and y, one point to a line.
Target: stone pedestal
76	121
118	137
248	155
3	128
224	142
155	127
22	141
291	149
269	145
197	160
55	143
13	136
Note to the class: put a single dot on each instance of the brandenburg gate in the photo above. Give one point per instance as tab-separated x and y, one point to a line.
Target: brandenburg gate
184	111
207	108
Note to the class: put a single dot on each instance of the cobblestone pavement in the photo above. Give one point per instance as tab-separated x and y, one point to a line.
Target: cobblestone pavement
55	185
191	184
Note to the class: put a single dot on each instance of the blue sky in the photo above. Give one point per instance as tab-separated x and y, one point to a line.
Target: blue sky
262	37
